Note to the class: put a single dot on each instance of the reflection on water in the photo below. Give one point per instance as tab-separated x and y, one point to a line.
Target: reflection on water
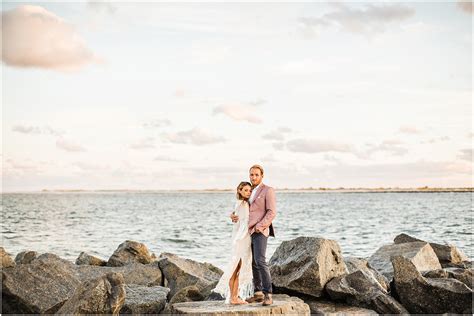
196	225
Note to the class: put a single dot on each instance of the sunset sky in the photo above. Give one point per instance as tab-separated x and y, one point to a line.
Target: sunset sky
117	95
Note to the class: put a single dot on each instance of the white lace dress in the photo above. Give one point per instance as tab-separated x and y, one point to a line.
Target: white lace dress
240	248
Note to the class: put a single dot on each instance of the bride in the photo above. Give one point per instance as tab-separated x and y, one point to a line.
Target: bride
236	283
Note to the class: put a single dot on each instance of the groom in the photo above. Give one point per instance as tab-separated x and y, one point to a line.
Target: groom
262	212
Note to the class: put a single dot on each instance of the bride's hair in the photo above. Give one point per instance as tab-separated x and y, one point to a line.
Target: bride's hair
239	187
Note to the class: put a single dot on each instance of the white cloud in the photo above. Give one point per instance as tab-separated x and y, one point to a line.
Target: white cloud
369	21
392	146
46	130
166	158
35	37
86	166
317	146
278	134
195	136
69	145
466	154
239	112
157	123
409	130
144	143
436	140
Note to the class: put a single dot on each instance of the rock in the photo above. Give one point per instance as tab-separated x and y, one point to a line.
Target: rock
25	257
87	259
39	287
180	273
305	264
426	295
144	300
463	265
353	264
134	273
360	288
420	253
130	252
330	308
188	294
445	253
7	261
466	276
104	295
282	304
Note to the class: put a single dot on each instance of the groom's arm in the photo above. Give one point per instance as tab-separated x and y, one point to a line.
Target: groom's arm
270	208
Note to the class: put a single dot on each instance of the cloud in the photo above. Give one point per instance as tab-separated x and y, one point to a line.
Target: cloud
46	130
436	140
409	130
279	145
157	123
278	134
24	167
466	154
195	136
69	145
100	6
466	6
86	166
239	112
167	158
317	146
392	146
144	143
35	37
269	158
370	20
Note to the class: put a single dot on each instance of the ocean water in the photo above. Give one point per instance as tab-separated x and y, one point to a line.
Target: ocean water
197	226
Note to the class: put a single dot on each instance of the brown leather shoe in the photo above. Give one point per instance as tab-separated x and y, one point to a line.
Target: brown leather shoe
256	298
267	300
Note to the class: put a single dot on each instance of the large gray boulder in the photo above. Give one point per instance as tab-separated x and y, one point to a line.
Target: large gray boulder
25	257
446	253
40	287
305	264
104	295
188	294
87	259
180	273
465	276
144	299
282	304
6	260
353	264
420	253
130	252
360	288
428	295
330	308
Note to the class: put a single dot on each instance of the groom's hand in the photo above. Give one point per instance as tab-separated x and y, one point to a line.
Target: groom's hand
234	218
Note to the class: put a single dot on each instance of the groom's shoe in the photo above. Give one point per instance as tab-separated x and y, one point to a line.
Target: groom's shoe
256	298
267	299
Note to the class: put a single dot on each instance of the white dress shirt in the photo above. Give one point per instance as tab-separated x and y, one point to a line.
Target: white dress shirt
254	193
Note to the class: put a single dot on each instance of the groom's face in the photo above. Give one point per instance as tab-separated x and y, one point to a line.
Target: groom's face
256	176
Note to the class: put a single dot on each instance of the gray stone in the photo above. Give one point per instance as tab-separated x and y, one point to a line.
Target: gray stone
144	300
282	304
25	257
330	308
87	259
427	295
353	264
466	276
305	264
361	289
130	252
104	295
6	261
420	253
180	273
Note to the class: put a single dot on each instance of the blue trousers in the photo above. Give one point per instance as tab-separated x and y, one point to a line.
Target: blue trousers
262	280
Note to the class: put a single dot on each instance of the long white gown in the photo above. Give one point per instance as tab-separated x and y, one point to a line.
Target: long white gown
240	246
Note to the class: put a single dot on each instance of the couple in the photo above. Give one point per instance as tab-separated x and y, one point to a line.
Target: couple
247	278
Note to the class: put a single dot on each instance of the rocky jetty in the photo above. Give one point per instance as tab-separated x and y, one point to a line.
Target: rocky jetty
309	274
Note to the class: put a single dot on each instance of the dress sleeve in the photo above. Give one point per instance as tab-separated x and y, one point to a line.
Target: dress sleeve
242	229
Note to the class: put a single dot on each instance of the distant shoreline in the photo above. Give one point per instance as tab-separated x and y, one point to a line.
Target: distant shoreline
302	190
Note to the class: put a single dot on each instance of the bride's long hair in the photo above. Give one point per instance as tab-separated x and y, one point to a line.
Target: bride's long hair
239	187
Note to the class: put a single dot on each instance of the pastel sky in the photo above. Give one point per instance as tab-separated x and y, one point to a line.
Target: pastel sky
121	95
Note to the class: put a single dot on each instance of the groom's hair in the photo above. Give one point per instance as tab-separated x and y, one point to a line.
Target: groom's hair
257	167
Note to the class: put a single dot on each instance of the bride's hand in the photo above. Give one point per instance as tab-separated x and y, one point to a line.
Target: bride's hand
234	218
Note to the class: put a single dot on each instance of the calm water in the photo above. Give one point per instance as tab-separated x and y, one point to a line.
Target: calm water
196	225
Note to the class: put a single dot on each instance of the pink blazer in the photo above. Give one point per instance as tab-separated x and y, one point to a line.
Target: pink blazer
263	211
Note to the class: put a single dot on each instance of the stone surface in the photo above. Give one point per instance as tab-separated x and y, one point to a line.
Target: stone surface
25	257
427	295
360	288
420	253
39	287
353	264
104	295
130	252
144	300
305	264
445	253
466	276
282	304
87	259
188	294
180	273
330	308
7	261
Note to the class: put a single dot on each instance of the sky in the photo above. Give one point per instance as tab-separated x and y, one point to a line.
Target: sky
165	96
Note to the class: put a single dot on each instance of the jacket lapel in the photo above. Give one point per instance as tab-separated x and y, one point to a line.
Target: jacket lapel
258	192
